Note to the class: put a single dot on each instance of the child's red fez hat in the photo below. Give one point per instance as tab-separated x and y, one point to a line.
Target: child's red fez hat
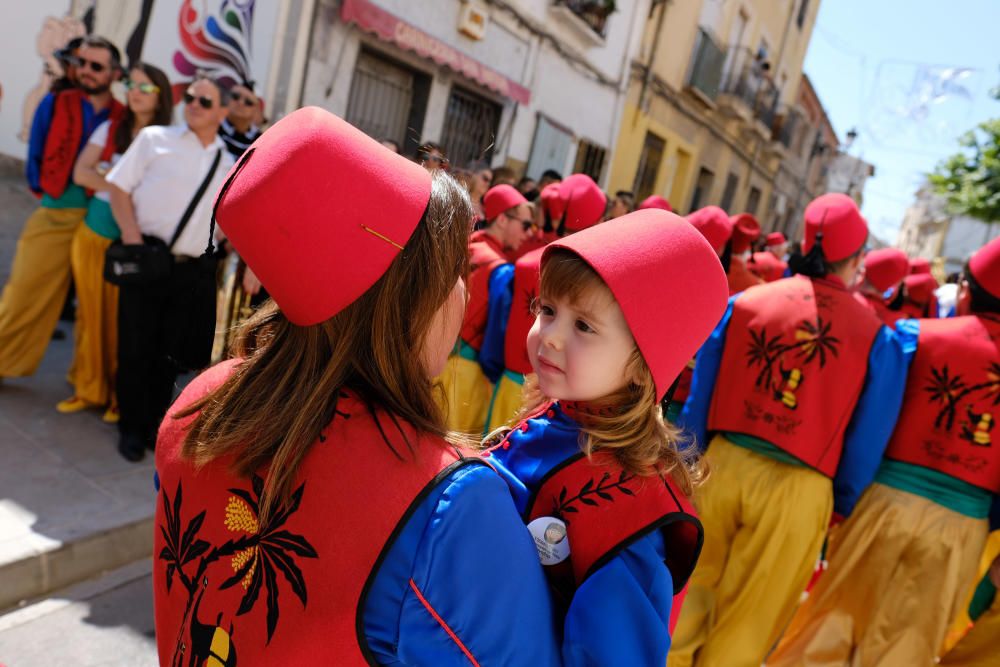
552	202
775	238
714	225
746	230
885	267
767	266
667	280
584	201
984	265
656	201
501	198
838	217
319	210
920	287
920	265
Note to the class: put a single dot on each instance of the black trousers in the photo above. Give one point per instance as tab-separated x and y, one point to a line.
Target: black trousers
164	328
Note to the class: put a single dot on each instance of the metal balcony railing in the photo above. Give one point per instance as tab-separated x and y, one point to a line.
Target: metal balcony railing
594	13
707	63
749	80
791	124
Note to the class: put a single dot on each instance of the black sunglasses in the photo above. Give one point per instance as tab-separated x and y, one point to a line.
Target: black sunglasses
94	66
248	101
205	102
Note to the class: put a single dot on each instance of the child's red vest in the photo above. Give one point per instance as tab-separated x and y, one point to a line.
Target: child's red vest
526	274
485	254
64	138
951	402
793	367
876	304
740	277
226	585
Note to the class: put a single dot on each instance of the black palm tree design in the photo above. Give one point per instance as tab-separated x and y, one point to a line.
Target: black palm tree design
764	352
947	390
813	338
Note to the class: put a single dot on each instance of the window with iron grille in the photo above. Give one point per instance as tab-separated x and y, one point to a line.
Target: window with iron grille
470	127
386	99
701	188
649	166
708	61
590	160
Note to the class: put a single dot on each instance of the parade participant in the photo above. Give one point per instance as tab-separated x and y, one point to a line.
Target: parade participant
599	477
656	201
904	562
238	129
920	265
884	271
776	244
974	640
468	379
766	266
798	422
623	203
95	350
580	206
40	274
918	299
315	467
746	230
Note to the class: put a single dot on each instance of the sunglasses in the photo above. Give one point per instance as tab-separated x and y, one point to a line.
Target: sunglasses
148	88
92	65
247	100
528	224
205	102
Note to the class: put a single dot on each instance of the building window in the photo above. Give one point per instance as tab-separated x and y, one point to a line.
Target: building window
709	60
732	180
549	148
594	13
590	160
386	98
470	127
753	201
649	166
701	188
803	10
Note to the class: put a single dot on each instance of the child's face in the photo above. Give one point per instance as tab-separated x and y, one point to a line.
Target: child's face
579	350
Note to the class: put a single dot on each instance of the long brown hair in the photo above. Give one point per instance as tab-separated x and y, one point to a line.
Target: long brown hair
162	115
629	422
284	393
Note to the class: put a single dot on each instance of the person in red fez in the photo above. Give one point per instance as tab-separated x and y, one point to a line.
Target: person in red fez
908	557
884	270
746	230
795	394
580	206
917	296
776	244
656	201
470	375
766	266
311	500
601	480
920	265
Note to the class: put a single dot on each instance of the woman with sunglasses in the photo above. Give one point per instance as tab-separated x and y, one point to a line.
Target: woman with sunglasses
95	356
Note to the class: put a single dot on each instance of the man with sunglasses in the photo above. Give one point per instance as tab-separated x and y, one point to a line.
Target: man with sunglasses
40	275
155	186
238	129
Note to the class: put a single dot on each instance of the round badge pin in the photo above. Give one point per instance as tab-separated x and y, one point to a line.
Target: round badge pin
551	541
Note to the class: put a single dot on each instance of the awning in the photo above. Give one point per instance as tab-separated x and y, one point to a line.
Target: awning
372	18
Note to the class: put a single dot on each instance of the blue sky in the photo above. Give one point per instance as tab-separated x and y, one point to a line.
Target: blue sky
910	76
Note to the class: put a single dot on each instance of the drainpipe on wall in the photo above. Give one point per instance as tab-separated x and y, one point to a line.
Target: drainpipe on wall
624	78
648	79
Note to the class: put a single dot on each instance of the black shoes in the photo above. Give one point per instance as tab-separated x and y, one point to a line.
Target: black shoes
132	447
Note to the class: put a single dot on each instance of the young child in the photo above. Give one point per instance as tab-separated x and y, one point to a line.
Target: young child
596	473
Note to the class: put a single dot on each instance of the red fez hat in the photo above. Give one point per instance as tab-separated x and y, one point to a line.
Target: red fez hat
552	202
920	287
984	265
319	210
667	280
746	230
767	266
838	217
584	201
885	267
920	265
501	198
714	225
775	238
656	201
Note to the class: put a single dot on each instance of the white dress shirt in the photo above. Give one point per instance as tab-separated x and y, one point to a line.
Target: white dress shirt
161	170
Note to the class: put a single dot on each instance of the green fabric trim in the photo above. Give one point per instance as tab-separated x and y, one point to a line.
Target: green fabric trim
101	221
673	412
936	486
764	448
73	197
466	351
513	377
983	598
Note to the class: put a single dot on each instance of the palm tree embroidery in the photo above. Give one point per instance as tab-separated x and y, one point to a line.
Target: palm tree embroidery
812	340
949	391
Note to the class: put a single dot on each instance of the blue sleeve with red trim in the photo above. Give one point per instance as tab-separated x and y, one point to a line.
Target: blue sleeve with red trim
36	142
462	583
694	416
621	613
501	295
875	414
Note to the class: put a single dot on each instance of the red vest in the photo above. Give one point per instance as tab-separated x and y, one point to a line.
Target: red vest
486	254
224	585
63	140
793	367
950	406
683	389
740	277
526	274
876	304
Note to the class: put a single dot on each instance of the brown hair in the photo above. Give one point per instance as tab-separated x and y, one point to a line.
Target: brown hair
162	115
629	422
284	393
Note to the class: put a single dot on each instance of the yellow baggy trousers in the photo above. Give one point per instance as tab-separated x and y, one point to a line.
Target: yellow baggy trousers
764	525
506	402
901	566
980	645
95	351
466	395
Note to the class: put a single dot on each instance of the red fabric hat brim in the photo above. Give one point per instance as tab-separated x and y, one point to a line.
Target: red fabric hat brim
714	225
667	280
920	265
500	199
584	202
984	265
552	201
775	238
920	286
656	201
746	230
844	229
884	268
319	210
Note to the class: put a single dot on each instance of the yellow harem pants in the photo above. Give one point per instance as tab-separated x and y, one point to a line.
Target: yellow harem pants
95	351
900	568
466	393
506	401
764	525
980	645
36	290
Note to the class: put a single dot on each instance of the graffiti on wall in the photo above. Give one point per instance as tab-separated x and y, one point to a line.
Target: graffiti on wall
218	42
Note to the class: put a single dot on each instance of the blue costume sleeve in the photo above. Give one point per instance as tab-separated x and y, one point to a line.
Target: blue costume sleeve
36	143
501	295
621	613
694	416
875	414
462	581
